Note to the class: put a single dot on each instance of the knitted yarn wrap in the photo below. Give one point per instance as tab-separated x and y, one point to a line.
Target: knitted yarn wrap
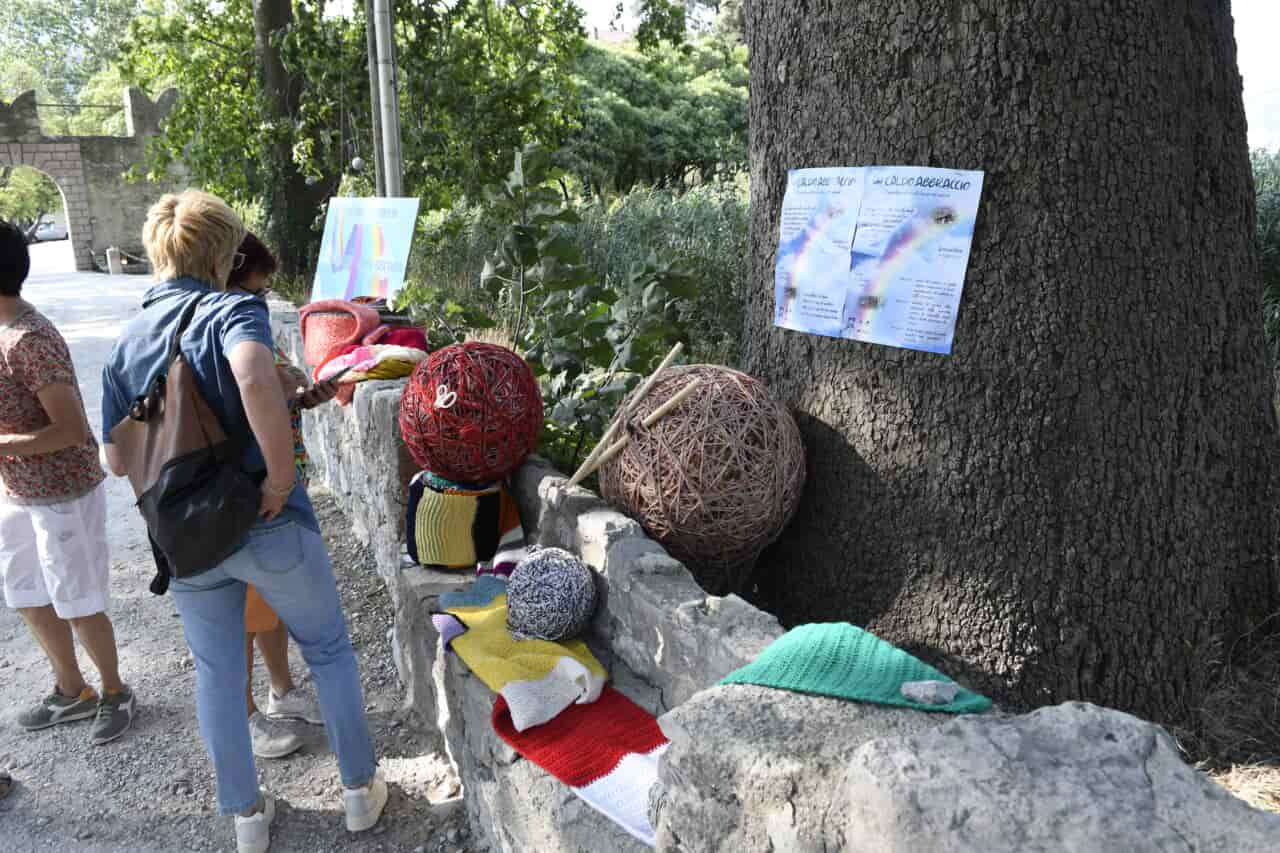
472	412
551	596
717	479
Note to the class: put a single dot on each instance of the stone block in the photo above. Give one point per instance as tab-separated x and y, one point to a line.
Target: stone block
751	768
1070	777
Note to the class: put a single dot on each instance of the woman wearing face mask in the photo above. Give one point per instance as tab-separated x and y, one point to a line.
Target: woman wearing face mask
193	242
286	701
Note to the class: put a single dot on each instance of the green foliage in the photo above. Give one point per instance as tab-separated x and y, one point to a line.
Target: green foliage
102	108
65	42
1266	179
478	79
215	129
704	230
451	246
26	195
666	119
670	22
65	51
589	336
661	21
447	314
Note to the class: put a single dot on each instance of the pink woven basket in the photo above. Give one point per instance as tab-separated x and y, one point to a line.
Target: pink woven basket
332	324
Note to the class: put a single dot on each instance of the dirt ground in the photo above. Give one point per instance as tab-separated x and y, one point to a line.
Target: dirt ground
153	790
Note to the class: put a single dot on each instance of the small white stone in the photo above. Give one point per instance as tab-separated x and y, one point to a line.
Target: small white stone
931	692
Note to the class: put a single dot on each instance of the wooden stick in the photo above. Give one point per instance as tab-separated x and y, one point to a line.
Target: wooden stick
655	416
591	462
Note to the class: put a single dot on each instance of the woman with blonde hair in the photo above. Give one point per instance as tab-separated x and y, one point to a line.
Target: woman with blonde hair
192	240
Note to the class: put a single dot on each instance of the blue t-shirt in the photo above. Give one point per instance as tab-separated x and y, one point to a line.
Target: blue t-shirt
222	321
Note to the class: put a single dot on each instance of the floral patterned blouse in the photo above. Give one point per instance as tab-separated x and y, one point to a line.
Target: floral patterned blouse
286	370
33	356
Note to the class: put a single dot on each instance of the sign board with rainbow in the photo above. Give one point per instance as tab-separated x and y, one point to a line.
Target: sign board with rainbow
876	254
365	247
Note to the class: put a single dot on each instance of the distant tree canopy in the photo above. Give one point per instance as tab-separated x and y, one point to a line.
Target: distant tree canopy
65	50
670	118
478	79
26	196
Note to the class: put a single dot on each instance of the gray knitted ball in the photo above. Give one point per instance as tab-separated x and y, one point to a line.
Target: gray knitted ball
551	596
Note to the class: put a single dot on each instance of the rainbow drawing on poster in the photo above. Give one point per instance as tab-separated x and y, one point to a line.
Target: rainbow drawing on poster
811	252
815	237
365	248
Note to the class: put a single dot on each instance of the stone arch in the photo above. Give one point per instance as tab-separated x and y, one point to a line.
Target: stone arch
103	208
62	162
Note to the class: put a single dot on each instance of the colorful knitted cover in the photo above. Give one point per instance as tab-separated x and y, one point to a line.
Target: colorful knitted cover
607	752
301	463
511	543
458	526
538	679
380	361
841	660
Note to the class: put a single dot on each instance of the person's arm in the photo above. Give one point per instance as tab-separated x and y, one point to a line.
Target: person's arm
111	460
253	366
112	413
67	425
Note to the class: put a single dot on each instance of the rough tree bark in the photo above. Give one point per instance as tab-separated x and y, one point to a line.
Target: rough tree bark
1075	503
292	205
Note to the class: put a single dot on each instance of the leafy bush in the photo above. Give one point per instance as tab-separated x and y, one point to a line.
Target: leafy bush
669	118
589	338
703	231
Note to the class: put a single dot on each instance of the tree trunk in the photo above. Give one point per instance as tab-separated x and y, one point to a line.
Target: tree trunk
292	206
1075	504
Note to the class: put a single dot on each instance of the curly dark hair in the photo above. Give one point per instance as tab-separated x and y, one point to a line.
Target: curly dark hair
257	259
15	259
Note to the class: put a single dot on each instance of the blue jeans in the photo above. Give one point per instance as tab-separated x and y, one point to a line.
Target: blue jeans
290	567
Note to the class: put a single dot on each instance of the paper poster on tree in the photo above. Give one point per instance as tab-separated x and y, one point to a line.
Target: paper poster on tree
876	254
365	248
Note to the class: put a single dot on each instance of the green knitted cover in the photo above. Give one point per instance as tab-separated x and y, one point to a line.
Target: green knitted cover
844	661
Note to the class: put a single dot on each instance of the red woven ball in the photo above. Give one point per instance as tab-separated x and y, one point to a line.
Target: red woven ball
472	412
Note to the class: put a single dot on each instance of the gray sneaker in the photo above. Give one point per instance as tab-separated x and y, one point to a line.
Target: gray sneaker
115	716
298	704
272	739
57	708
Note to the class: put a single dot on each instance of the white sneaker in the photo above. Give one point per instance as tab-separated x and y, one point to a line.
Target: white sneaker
364	805
253	834
298	704
271	739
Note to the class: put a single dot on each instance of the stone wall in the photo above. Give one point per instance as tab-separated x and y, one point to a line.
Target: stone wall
749	768
102	208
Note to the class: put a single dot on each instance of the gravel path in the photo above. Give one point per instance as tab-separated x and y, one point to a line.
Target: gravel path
153	790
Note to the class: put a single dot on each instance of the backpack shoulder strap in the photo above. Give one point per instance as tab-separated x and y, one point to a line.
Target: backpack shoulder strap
184	320
145	404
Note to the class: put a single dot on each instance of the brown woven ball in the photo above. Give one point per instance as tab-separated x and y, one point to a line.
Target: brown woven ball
717	479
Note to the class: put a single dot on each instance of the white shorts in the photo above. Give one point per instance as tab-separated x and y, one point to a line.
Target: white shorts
56	554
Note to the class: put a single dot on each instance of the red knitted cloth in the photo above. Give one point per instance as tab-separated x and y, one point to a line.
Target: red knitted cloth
471	413
584	743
